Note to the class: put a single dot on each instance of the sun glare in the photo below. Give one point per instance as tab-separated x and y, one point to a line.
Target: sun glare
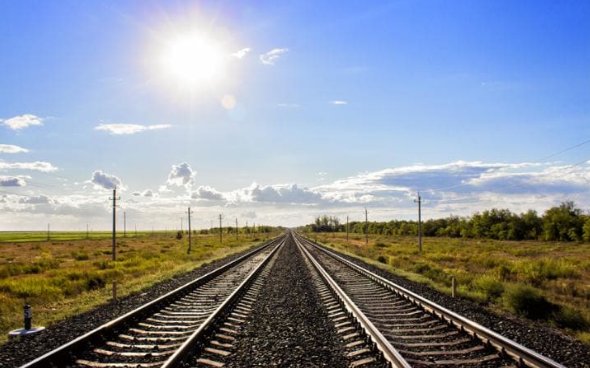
194	59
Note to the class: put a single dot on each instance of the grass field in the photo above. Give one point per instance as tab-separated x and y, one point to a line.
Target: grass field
34	236
547	281
60	278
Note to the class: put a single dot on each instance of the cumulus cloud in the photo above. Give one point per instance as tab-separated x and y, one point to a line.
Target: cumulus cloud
272	56
22	121
9	148
207	193
41	199
146	193
13	181
128	129
338	102
106	181
280	193
241	53
181	175
37	165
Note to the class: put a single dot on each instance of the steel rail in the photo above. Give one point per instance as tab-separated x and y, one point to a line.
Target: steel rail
63	352
187	349
522	354
389	352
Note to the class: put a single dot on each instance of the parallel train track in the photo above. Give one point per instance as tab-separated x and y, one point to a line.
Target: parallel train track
410	330
161	332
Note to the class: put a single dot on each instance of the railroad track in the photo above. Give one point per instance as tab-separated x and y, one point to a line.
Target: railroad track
170	329
409	330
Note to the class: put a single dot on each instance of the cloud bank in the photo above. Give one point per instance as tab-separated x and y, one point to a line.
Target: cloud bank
9	148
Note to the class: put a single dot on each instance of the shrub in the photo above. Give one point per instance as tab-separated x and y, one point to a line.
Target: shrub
528	302
380	245
382	259
489	286
567	317
179	235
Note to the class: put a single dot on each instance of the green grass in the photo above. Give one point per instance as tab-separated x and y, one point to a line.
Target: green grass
41	236
546	281
61	278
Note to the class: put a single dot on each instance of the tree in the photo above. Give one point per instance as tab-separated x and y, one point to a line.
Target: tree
563	223
586	230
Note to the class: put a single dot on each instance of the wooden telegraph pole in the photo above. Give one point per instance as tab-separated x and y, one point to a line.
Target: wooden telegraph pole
419	201
189	231
366	226
220	229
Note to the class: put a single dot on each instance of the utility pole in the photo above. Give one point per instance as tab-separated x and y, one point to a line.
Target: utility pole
237	230
419	201
190	239
211	227
366	226
124	224
135	230
181	225
48	233
114	199
347	229
87	235
220	229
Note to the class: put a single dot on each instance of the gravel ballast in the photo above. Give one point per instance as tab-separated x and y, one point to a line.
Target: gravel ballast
536	336
289	326
19	351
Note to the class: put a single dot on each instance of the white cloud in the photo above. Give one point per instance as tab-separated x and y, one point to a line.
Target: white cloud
280	193
289	105
13	181
181	175
338	102
241	53
106	181
37	165
41	199
22	121
9	148
207	193
272	56
128	129
146	193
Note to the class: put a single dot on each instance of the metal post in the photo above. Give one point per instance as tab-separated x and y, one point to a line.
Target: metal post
366	227
347	229
28	317
190	239
220	230
115	223
419	201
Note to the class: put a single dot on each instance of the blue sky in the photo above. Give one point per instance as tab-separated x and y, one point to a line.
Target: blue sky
360	103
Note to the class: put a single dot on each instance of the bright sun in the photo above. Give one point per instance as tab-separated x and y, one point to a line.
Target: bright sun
194	59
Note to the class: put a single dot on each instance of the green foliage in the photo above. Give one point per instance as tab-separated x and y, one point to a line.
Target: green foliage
488	286
562	223
528	302
566	317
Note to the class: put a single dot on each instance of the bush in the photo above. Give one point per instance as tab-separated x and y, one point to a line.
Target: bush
528	302
382	259
489	286
179	235
380	245
567	317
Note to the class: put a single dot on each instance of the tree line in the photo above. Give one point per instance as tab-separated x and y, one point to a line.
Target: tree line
565	222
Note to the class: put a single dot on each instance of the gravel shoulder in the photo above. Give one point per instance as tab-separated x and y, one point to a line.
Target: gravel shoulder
22	350
289	325
536	336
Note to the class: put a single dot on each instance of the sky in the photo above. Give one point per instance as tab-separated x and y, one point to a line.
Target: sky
275	112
